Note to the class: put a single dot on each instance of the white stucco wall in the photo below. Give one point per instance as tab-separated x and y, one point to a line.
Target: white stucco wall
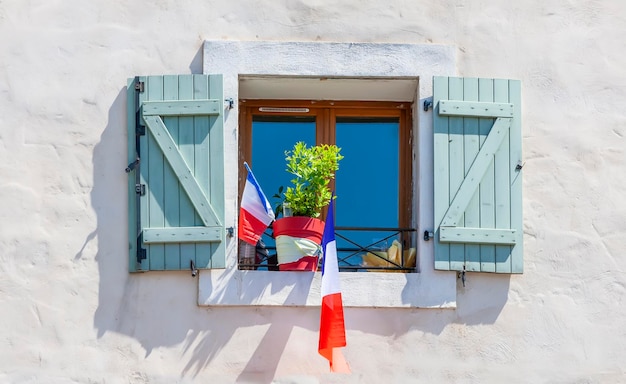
70	312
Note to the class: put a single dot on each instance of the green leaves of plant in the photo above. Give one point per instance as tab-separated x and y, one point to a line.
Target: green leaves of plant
313	168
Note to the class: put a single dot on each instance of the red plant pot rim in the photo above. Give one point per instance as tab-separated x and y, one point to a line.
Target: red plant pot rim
300	226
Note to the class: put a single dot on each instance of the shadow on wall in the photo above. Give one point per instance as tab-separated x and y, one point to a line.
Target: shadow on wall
479	302
159	309
196	63
482	298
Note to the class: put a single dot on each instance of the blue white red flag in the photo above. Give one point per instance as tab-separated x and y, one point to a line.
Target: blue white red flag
332	327
256	213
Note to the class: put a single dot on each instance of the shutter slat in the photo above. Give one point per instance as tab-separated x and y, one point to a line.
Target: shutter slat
186	147
502	185
515	173
487	185
171	206
201	168
216	162
143	175
456	166
155	183
472	147
441	180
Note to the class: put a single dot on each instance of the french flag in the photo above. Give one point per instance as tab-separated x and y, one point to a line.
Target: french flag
332	327
255	214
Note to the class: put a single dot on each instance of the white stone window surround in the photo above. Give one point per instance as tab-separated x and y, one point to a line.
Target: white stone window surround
236	60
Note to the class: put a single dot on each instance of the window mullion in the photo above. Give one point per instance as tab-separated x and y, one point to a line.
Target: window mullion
405	158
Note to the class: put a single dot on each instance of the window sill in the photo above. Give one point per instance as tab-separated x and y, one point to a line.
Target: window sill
359	289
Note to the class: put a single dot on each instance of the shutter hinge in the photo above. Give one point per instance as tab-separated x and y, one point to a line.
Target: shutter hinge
140	189
139	86
141	252
140	129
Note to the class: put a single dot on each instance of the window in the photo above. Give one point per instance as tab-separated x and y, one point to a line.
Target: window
256	70
168	228
373	184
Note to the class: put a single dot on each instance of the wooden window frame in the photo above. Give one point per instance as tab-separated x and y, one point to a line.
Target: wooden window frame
326	113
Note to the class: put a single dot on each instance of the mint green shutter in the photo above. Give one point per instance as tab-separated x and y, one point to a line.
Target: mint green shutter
477	175
176	190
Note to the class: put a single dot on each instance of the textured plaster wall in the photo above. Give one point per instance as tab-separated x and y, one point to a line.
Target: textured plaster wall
69	311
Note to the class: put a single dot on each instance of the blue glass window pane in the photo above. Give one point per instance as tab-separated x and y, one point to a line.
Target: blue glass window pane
270	140
367	183
367	180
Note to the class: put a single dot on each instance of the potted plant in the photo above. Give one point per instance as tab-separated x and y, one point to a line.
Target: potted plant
298	233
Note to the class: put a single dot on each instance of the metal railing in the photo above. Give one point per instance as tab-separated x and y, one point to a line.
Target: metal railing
354	252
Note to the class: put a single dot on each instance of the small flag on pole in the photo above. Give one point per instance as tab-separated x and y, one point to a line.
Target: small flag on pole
255	214
332	327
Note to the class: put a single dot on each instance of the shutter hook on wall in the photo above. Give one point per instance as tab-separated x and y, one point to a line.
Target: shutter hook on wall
461	275
194	270
229	103
428	104
132	166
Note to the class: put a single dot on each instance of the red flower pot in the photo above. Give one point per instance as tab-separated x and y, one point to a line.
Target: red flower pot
298	240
